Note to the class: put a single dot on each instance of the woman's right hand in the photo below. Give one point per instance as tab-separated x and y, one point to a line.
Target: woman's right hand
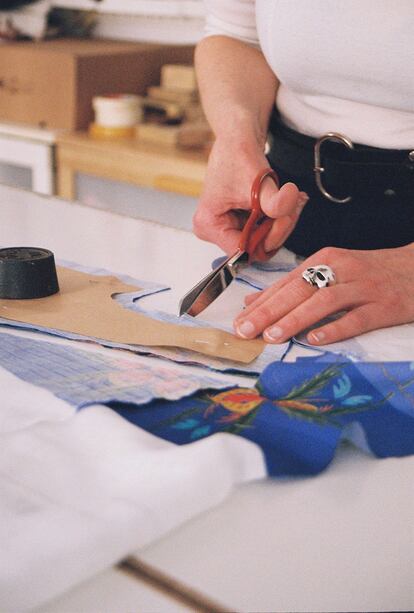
225	202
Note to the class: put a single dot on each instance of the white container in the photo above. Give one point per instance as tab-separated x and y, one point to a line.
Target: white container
117	110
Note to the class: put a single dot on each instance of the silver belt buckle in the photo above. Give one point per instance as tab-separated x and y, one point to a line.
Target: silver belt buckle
318	169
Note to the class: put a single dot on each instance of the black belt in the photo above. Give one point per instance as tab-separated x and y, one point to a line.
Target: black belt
360	197
340	169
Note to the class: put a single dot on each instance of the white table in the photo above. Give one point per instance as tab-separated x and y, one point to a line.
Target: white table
337	542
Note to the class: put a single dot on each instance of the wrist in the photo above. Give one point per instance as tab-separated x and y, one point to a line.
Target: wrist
242	130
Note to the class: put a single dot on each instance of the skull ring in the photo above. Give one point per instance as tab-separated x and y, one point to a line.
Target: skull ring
320	276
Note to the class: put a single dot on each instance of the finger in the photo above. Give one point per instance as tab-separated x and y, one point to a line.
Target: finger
278	203
295	276
252	297
284	226
263	313
328	301
361	319
302	199
279	232
329	255
264	295
227	238
222	229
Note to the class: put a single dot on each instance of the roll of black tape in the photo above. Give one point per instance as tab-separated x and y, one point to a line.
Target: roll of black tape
27	272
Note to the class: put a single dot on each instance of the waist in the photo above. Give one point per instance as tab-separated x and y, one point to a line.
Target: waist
338	166
377	126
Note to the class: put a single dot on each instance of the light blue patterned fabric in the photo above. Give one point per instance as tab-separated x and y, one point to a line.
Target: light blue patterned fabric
83	377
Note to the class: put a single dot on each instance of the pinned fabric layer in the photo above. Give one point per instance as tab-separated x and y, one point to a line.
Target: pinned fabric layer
298	413
84	306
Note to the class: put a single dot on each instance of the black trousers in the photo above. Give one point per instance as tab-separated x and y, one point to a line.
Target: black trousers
380	181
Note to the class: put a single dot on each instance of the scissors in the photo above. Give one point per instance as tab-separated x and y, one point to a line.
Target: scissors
254	232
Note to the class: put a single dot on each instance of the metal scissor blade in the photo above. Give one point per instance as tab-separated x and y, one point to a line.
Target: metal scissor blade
210	288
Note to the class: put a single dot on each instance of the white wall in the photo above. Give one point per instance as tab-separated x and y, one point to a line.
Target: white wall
175	21
189	8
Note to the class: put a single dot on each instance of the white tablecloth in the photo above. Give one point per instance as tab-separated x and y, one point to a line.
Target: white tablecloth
78	491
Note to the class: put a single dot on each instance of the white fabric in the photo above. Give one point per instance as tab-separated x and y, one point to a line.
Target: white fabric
79	491
346	67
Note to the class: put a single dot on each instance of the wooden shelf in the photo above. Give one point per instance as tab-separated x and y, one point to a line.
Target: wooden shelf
129	160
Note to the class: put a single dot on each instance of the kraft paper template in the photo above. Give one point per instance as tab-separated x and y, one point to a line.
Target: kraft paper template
85	306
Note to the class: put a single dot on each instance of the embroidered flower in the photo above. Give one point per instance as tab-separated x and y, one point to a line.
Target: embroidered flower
240	400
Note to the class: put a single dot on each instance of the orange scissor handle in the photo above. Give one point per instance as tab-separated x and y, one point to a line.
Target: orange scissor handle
257	226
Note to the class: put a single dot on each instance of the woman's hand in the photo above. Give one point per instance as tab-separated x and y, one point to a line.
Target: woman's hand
225	202
374	288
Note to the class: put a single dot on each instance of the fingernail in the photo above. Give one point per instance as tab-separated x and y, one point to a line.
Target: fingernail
273	334
317	337
302	200
246	329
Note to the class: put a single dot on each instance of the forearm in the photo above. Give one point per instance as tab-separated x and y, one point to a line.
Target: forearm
237	89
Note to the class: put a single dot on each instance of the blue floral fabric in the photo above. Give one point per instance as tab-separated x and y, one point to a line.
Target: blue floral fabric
298	413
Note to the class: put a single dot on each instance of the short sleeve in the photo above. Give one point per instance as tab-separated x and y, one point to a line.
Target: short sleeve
234	18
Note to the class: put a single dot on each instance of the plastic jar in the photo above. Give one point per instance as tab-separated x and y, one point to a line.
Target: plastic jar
117	110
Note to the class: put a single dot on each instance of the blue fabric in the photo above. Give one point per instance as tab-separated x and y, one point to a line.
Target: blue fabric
298	413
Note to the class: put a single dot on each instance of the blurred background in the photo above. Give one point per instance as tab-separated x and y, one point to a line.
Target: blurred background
99	103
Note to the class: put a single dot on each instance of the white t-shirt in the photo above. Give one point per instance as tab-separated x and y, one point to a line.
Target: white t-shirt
344	65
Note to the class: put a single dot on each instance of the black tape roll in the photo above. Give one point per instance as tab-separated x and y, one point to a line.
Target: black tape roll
27	272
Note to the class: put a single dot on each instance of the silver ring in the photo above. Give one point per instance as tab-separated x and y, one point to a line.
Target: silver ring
319	276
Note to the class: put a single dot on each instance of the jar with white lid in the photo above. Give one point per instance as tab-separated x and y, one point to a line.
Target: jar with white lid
117	110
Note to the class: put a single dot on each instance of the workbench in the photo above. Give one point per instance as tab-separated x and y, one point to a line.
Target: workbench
341	541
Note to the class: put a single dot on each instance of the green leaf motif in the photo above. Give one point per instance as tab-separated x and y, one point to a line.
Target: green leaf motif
342	387
186	424
352	401
314	384
200	432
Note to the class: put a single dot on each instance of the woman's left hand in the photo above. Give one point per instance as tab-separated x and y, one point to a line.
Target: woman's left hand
374	289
